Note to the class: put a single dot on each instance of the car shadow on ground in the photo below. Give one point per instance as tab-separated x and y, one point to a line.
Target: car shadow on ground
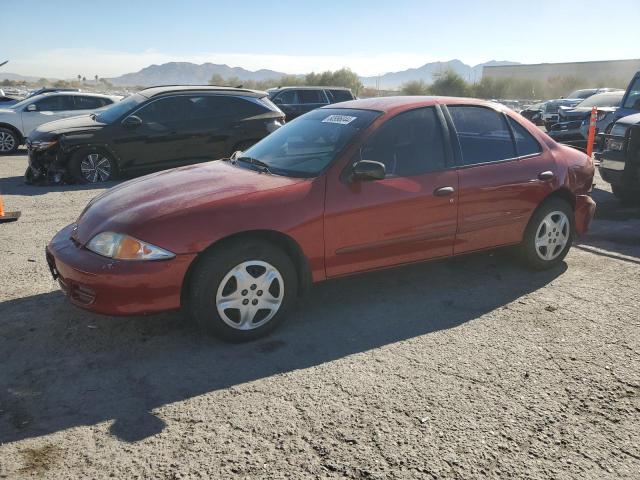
615	232
64	367
17	186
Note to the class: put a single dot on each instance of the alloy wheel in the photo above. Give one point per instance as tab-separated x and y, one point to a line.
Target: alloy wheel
7	142
552	235
250	295
95	167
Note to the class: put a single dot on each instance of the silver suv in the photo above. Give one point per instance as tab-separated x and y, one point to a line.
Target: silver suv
18	120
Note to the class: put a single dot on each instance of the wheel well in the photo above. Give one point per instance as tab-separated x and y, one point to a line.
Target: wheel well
279	239
14	130
565	194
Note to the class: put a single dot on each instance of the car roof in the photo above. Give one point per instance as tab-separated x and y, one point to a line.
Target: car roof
75	94
308	87
400	103
164	89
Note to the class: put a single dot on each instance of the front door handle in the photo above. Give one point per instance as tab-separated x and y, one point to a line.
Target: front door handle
444	191
546	175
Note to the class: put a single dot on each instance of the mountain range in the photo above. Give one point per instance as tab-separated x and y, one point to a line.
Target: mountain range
186	73
429	71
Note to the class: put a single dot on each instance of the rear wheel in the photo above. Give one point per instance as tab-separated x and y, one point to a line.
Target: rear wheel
549	235
92	167
9	141
243	290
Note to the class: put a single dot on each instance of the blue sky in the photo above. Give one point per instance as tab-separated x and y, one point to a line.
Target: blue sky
66	38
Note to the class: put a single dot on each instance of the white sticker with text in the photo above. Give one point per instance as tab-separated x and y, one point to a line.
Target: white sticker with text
341	119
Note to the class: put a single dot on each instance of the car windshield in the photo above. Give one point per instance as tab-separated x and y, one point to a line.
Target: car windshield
114	111
603	100
307	145
633	98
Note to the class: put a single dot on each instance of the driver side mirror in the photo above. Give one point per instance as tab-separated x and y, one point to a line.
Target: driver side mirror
367	170
132	121
32	107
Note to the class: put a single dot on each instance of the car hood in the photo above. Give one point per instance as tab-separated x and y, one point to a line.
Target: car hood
7	111
630	119
145	207
581	112
66	125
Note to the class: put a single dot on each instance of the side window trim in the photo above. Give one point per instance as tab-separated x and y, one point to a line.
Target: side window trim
459	158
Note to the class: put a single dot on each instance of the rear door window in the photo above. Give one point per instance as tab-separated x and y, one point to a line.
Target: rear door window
217	106
311	96
340	95
526	144
483	133
89	103
411	143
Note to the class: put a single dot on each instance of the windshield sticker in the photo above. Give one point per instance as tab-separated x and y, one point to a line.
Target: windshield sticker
340	119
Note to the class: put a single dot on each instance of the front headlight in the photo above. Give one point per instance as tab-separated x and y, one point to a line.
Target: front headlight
42	145
124	247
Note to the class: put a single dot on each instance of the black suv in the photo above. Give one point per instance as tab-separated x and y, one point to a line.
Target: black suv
296	101
154	129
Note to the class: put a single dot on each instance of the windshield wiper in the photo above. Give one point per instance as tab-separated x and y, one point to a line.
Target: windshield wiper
263	167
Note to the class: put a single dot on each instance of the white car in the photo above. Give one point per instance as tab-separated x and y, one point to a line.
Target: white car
18	120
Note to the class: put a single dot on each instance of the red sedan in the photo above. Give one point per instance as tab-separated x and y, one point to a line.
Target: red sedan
353	187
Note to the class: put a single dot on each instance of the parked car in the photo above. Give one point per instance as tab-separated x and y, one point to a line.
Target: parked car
296	101
550	115
571	120
12	101
534	113
155	129
19	120
620	160
343	189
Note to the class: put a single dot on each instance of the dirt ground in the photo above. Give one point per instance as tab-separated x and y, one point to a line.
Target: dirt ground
467	368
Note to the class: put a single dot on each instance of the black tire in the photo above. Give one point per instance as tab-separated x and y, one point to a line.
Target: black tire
9	141
212	269
75	170
29	176
625	194
527	250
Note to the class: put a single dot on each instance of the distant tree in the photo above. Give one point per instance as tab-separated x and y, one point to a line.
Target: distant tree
414	87
96	78
217	79
79	78
42	82
340	78
84	79
450	84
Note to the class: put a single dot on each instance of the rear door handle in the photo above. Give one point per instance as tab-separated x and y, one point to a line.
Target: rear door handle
443	191
546	175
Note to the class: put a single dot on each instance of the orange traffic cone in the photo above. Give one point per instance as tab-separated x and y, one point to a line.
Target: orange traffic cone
7	216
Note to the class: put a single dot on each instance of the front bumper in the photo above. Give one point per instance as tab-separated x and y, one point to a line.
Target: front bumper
612	166
115	287
584	212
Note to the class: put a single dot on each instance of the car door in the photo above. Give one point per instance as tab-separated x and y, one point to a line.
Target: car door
409	215
156	141
47	109
504	174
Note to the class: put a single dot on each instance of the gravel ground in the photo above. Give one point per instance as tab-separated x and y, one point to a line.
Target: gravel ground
466	368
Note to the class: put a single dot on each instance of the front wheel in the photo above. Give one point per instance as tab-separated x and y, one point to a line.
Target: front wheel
549	235
92	167
9	142
242	291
